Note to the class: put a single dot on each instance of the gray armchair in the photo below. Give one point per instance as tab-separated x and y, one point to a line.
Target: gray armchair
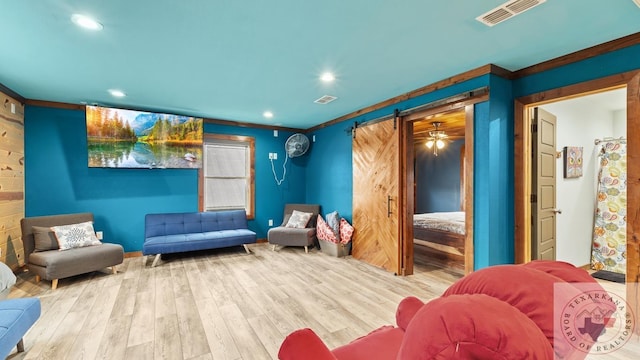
285	236
51	264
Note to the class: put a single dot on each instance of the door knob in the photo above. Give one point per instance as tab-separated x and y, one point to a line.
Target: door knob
557	211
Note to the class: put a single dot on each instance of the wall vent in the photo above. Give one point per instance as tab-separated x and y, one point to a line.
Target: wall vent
325	99
509	10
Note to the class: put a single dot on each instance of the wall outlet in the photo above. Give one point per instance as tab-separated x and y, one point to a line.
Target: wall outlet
313	138
13	108
270	156
275	156
275	133
270	222
99	235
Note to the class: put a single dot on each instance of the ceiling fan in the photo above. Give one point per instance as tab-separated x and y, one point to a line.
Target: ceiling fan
436	139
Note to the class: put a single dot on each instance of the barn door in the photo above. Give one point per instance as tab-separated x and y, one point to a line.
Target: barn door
543	176
376	190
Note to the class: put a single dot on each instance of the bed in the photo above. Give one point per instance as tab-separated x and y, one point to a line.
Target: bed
443	233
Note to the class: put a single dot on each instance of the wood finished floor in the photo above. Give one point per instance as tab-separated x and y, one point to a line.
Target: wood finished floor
224	304
221	304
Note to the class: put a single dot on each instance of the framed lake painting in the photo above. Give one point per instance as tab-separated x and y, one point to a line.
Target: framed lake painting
120	138
572	161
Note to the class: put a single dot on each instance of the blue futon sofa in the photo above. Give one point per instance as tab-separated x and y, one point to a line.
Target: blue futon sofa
16	318
181	232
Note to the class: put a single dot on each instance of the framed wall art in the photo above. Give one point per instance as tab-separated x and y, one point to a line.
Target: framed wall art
572	161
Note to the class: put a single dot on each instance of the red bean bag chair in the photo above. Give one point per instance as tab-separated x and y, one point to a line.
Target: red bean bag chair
382	343
500	312
473	327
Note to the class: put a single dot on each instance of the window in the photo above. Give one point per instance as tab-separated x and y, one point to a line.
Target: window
227	174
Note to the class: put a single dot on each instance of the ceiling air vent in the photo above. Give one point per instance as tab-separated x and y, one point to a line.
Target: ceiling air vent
508	10
325	99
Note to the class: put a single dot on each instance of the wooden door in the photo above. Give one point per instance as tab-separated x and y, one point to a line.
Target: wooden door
543	177
376	179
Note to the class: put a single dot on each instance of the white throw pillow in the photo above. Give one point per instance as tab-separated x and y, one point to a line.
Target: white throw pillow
298	219
75	235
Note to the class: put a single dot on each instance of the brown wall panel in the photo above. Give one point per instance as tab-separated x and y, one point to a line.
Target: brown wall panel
11	180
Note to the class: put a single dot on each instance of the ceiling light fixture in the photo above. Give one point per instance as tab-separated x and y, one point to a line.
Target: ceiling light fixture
437	138
117	93
267	114
86	22
327	77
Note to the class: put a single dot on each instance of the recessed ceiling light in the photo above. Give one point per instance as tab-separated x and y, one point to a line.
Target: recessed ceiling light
117	93
267	114
327	77
86	22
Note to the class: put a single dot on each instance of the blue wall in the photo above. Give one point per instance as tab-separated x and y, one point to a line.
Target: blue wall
493	148
438	178
493	177
57	179
612	63
271	198
329	168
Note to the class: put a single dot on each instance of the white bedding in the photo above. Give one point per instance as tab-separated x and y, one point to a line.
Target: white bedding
445	221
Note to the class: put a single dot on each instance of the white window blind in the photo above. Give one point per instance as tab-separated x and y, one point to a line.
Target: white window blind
226	176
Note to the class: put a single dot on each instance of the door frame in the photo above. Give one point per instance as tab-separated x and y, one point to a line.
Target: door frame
522	162
408	178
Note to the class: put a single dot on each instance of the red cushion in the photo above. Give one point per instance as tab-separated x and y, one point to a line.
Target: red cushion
473	327
324	231
380	344
304	344
529	290
407	309
561	269
346	231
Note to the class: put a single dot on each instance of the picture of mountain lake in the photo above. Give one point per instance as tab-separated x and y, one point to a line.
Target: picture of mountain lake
119	138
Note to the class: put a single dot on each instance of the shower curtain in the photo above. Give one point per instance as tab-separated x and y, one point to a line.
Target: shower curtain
610	227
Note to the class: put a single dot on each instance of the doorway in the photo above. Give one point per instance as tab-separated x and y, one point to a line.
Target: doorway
439	209
583	125
522	162
384	183
439	167
562	205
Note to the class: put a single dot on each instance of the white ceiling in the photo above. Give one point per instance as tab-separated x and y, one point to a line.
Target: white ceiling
612	100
